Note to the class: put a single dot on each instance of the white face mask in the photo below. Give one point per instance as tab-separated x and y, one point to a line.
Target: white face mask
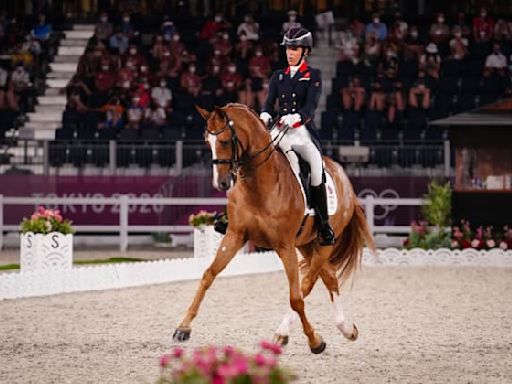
218	19
232	69
175	37
259	53
243	38
225	36
376	20
216	69
104	19
192	69
133	51
163	84
126	19
104	67
292	19
440	20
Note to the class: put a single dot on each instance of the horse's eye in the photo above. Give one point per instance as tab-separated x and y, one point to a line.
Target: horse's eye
224	143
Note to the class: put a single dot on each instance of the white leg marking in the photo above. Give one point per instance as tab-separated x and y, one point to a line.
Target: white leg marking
286	324
215	181
339	317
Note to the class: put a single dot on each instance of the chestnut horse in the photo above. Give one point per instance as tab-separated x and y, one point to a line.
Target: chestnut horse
266	206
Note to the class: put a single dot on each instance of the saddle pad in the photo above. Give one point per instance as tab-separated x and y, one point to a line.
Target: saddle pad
332	197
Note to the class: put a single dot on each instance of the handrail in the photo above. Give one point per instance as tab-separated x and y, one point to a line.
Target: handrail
125	201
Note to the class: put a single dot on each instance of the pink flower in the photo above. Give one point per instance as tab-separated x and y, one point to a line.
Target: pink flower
475	243
274	348
227	370
177	352
35	216
454	244
58	218
503	245
41	210
218	380
259	359
241	365
490	243
229	350
165	360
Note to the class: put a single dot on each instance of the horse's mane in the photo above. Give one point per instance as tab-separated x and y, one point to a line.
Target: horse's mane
246	108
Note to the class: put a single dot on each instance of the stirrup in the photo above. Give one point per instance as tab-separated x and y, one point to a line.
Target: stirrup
326	235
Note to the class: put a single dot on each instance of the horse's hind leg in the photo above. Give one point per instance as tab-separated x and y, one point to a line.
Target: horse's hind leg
289	257
228	248
328	276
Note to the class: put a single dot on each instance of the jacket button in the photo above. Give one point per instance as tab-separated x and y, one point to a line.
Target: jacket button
282	96
294	103
285	109
293	109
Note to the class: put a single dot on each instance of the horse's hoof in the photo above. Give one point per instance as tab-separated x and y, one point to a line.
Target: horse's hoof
354	335
319	349
281	340
181	334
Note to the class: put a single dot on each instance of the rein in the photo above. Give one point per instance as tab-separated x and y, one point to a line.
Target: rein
236	161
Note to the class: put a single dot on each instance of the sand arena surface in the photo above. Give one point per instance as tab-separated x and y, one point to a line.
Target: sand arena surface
417	325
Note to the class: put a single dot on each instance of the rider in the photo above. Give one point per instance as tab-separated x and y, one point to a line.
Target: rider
298	88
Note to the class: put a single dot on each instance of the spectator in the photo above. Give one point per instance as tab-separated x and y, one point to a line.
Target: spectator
400	27
413	44
167	28
291	23
161	96
349	46
157	116
502	30
419	93
377	101
458	45
42	30
113	115
103	29
439	31
137	58
353	96
259	68
223	45
157	48
126	75
376	28
135	114
212	27
496	61
243	48
126	27
463	25
249	28
190	81
372	50
395	100
20	80
176	46
104	81
32	46
211	86
430	62
232	82
483	27
357	27
119	42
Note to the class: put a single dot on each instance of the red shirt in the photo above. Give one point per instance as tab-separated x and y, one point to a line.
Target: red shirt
259	66
231	81
483	26
104	80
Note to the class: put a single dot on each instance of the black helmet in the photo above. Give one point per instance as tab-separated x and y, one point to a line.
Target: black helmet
298	37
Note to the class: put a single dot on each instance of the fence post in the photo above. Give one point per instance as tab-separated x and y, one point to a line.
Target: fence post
123	223
112	157
1	222
369	208
447	156
179	156
46	158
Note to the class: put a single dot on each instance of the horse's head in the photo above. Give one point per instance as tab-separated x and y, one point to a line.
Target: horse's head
221	137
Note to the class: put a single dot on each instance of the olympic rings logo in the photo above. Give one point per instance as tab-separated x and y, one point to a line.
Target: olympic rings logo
383	210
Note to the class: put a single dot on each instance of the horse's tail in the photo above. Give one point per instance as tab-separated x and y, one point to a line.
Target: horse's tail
348	252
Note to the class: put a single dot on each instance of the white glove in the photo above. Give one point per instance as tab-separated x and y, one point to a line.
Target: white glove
265	117
293	120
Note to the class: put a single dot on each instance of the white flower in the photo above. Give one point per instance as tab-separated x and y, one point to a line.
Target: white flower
48	225
475	243
503	245
455	244
491	243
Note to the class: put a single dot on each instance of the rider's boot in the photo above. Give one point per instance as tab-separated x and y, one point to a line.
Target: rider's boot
220	223
319	201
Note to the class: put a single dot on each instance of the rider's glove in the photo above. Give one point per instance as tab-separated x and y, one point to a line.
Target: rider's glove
265	117
293	120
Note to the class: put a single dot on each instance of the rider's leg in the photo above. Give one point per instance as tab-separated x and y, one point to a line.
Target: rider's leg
309	152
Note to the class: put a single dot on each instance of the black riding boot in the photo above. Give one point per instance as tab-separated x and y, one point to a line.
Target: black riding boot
319	201
220	223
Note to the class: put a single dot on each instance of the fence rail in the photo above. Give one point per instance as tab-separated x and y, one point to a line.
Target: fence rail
125	201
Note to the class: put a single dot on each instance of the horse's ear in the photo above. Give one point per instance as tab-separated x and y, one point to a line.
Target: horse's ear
203	112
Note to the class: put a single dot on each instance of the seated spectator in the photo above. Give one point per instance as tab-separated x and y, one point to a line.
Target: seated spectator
167	28
156	116
377	101
77	86
357	27
161	96
376	28
158	48
395	101
458	45
212	27
223	45
42	30
291	23
170	66
259	69
104	81
496	61
390	63
176	46
119	42
483	27
138	58
349	46
400	27
413	44
32	46
21	85
75	114
439	31
103	29
502	30
143	93
232	82
430	62
372	50
127	28
249	28
243	48
462	25
211	86
113	112
135	114
190	81
419	93
353	96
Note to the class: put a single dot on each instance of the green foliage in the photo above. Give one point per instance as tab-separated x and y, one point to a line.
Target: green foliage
438	205
202	218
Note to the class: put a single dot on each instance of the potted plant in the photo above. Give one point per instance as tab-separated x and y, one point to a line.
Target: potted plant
206	239
162	239
46	241
224	365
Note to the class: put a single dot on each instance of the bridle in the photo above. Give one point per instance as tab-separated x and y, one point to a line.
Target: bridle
236	161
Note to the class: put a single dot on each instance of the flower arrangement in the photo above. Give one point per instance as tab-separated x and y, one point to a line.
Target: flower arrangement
223	365
45	221
481	238
202	218
422	236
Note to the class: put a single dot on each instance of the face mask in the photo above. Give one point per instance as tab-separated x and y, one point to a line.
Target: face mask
104	67
175	37
126	84
243	38
414	34
232	69
143	69
458	34
216	52
247	19
146	86
292	19
216	69
218	19
104	19
126	19
163	84
259	53
440	20
166	54
483	14
376	20
129	65
133	51
225	36
192	69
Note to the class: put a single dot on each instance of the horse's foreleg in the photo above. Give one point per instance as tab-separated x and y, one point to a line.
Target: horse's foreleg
350	331
228	248
289	257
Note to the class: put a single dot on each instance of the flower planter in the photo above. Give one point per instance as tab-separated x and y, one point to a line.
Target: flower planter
206	241
40	252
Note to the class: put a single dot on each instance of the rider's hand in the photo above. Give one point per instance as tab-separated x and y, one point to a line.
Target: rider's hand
292	120
265	117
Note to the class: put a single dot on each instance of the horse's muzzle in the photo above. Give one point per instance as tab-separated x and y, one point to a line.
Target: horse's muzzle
226	182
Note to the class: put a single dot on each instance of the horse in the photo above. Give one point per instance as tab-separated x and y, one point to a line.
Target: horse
266	206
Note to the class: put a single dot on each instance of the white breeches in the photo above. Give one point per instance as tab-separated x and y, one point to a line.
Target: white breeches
299	140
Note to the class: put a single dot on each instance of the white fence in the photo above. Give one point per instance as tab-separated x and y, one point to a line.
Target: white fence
48	282
124	202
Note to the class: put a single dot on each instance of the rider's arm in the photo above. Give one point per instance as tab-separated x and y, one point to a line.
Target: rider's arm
313	95
272	95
